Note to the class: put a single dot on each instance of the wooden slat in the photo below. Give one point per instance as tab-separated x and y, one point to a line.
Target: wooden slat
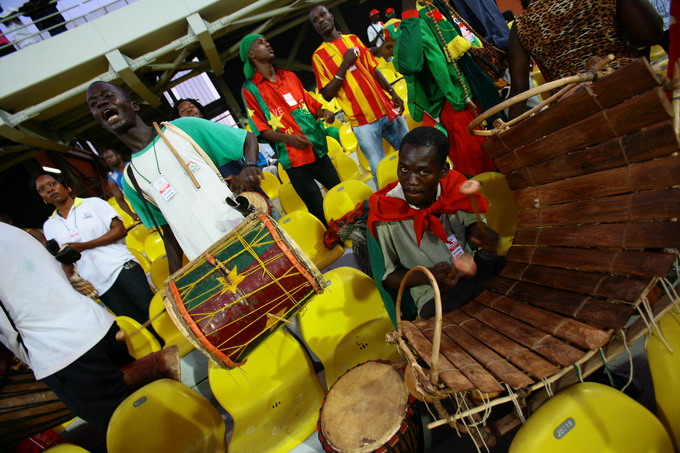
546	345
582	335
613	89
660	204
472	370
641	264
535	365
578	306
602	285
652	142
448	373
655	174
649	108
619	235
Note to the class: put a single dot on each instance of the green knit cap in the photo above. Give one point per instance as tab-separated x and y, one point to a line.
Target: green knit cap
246	44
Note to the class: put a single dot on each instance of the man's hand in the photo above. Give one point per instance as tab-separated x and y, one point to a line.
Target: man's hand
350	57
298	141
248	178
397	102
444	274
485	239
328	116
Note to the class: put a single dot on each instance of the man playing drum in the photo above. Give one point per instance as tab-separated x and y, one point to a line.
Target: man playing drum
427	218
174	169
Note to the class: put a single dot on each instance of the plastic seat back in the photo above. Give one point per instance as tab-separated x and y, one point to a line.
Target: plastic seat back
135	237
388	148
665	368
66	448
502	215
166	328
591	417
274	398
270	185
166	416
334	146
348	169
160	271
140	342
346	325
141	259
348	139
153	246
290	200
307	231
283	176
128	221
344	197
387	169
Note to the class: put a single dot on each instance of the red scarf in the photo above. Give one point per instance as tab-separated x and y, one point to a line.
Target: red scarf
391	209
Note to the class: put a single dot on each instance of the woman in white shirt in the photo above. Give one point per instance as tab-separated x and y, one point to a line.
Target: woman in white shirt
93	228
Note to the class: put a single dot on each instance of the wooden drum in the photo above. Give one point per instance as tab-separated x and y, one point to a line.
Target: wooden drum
240	290
369	409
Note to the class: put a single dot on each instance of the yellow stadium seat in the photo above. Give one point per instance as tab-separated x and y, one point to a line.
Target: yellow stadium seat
166	416
387	169
141	259
140	342
66	448
344	197
389	74
127	220
160	271
153	246
334	147
346	324
290	200
665	368
348	139
348	169
591	417
502	215
283	176
538	79
363	161
136	236
166	328
307	231
401	89
274	398
270	185
388	148
410	122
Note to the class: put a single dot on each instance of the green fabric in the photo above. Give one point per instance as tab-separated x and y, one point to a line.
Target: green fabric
302	116
419	56
244	48
409	311
330	131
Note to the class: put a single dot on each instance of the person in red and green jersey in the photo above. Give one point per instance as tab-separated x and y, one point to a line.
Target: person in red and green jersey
346	70
282	112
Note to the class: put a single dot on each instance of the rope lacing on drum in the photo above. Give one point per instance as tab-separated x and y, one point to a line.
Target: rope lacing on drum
515	402
630	360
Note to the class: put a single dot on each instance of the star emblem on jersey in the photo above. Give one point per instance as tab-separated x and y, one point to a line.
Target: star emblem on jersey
275	122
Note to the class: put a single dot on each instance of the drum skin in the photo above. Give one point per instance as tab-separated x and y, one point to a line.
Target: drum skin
369	409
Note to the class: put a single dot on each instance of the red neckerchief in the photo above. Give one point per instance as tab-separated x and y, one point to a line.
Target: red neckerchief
391	209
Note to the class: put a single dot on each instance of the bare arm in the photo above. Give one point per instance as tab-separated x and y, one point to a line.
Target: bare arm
251	175
122	202
441	272
116	232
396	100
172	249
640	22
520	63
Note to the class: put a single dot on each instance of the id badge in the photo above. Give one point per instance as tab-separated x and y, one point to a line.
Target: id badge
289	99
454	247
164	188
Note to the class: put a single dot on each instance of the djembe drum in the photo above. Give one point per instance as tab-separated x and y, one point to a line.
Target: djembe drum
595	181
232	297
368	409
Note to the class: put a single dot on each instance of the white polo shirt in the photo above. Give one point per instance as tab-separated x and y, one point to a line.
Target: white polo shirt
57	324
89	219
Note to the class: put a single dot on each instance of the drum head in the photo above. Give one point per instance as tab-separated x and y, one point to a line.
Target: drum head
364	408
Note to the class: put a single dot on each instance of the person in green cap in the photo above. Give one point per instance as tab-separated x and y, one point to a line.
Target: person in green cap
282	112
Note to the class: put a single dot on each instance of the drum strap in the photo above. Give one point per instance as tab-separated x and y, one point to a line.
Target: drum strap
9	318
